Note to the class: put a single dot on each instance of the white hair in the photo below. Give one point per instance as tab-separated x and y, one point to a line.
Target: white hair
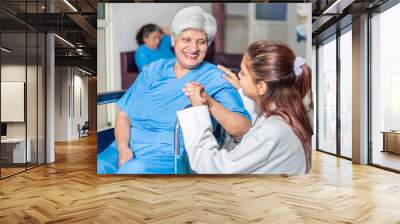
194	17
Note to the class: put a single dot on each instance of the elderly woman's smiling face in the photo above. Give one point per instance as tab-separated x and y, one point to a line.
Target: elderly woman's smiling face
190	48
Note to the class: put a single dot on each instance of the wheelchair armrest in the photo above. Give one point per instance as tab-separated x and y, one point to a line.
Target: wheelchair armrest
177	135
182	165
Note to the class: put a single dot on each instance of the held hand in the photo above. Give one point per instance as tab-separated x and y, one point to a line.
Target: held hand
230	76
124	155
195	92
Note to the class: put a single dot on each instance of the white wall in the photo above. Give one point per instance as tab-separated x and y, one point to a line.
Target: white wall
104	69
236	27
14	73
17	73
266	29
67	115
80	83
12	101
33	126
61	103
302	48
284	31
236	9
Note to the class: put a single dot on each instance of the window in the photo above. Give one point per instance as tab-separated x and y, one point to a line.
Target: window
22	65
327	96
346	93
385	89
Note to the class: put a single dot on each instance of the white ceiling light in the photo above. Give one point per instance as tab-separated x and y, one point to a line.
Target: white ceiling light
84	71
65	41
5	49
337	7
70	5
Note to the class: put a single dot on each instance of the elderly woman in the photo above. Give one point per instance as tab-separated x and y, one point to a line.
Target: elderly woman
144	128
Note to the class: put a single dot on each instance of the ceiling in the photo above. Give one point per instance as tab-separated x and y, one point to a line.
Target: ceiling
331	15
72	20
75	21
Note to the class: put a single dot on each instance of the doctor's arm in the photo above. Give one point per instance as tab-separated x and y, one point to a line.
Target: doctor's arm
202	147
122	137
234	123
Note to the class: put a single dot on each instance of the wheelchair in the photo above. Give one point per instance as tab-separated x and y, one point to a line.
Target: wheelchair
83	131
182	165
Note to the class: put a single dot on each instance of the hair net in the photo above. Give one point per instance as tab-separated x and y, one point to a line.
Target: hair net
194	17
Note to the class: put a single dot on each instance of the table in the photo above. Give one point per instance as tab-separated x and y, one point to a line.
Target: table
391	141
17	150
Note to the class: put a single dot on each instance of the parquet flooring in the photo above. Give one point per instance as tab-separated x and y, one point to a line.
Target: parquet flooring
70	191
10	171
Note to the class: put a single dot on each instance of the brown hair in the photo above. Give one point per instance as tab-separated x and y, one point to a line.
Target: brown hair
272	63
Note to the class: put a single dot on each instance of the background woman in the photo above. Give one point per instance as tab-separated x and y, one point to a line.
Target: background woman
154	44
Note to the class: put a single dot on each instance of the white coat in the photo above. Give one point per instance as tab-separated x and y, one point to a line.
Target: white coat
269	147
249	105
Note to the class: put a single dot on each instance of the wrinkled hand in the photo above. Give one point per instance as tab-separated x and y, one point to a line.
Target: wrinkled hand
124	156
230	76
196	94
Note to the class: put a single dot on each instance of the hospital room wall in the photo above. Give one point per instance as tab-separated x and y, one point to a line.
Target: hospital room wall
302	48
283	30
126	24
71	102
123	27
236	28
124	30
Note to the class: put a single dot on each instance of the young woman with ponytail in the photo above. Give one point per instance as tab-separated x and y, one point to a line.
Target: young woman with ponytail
280	139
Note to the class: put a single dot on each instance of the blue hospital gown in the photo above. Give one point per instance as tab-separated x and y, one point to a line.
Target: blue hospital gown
145	55
151	104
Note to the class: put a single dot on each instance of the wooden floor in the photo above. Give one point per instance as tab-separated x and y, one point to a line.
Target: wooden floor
387	159
70	191
5	172
10	171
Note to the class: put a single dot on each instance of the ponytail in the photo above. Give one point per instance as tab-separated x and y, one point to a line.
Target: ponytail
139	37
303	85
